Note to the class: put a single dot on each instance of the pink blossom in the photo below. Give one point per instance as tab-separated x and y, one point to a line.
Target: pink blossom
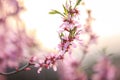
87	30
69	67
54	67
40	68
2	78
71	26
104	70
15	43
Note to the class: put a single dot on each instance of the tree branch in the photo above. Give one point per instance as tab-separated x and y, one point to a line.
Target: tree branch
17	71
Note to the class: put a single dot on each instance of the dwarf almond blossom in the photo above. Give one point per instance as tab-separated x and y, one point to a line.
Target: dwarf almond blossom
104	70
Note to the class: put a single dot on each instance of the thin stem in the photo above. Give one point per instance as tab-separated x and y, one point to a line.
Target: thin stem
17	71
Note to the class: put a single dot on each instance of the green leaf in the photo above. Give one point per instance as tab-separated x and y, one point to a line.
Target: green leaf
55	12
72	32
78	2
65	10
61	35
74	29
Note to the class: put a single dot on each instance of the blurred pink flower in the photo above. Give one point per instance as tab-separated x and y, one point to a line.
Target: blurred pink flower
2	78
104	70
15	43
88	31
68	70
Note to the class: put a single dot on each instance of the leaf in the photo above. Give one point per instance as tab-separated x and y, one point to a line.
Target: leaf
72	32
78	2
65	10
55	12
61	35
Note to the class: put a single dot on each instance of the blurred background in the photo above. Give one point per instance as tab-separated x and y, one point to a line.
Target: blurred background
27	25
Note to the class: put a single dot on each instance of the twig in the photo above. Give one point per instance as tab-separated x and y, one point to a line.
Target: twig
17	71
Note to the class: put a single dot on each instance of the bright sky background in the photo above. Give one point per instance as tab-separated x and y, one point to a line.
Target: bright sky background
106	13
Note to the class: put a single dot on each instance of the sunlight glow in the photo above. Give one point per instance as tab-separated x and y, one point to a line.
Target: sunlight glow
107	15
36	17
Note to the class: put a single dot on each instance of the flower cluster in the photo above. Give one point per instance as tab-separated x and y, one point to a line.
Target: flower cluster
69	31
14	40
47	63
70	28
70	67
92	37
15	43
104	70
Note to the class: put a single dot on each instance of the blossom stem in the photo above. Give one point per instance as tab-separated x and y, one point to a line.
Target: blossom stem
18	70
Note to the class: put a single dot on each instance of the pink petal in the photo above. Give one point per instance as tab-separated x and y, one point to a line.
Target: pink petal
39	70
54	68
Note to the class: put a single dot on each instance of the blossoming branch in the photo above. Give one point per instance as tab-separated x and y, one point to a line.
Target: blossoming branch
69	32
